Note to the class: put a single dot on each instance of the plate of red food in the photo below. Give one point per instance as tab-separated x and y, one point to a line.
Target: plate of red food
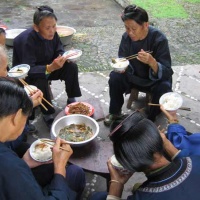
79	108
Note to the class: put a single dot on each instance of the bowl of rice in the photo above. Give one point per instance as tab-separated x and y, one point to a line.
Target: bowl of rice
171	101
41	151
120	64
76	129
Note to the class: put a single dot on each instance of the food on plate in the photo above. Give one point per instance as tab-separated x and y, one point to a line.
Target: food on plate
79	108
76	132
41	151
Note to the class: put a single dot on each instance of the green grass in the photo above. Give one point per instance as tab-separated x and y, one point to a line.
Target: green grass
164	8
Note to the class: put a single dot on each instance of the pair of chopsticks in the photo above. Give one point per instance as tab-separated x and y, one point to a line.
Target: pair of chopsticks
31	90
49	142
128	57
181	108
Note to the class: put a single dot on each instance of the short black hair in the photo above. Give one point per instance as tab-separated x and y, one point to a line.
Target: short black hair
2	30
136	142
41	13
135	13
13	97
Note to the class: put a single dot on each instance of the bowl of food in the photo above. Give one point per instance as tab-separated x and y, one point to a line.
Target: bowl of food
41	151
82	108
171	101
65	33
11	34
73	54
19	71
76	129
119	64
115	163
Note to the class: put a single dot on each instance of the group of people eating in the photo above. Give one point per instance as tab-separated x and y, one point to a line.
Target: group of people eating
139	146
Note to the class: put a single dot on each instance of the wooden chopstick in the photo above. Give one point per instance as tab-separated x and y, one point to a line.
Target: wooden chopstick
181	108
26	84
132	56
49	143
16	72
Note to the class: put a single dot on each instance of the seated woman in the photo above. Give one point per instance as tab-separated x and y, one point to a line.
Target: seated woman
41	48
140	147
16	177
149	72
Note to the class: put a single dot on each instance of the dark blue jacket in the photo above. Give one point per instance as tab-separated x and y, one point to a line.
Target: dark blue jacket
32	49
18	183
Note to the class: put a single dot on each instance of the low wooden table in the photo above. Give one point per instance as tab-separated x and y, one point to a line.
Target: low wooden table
93	156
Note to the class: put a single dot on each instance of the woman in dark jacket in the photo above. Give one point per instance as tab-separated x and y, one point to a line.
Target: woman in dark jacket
149	72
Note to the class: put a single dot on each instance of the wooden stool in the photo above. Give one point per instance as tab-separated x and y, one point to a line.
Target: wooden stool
134	97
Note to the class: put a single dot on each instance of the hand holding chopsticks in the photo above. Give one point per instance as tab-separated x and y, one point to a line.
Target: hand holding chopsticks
181	108
128	57
31	90
51	143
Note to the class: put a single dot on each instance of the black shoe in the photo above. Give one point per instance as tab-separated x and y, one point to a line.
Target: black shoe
48	119
71	100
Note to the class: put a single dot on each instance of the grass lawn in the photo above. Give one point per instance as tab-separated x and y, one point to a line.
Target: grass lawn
165	8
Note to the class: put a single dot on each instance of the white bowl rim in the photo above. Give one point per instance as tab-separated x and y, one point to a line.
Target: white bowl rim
168	93
8	31
82	142
67	27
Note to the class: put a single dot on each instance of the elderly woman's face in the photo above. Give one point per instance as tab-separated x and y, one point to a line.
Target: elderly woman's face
135	31
47	28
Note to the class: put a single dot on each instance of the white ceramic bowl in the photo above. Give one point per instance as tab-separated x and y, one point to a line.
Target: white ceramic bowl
75	119
171	101
11	34
24	68
65	33
117	165
119	66
41	153
76	53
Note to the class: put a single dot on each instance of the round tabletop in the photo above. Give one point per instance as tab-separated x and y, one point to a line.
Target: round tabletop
93	156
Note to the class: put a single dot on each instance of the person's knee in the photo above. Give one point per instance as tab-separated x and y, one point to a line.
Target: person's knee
76	177
163	86
115	78
73	67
